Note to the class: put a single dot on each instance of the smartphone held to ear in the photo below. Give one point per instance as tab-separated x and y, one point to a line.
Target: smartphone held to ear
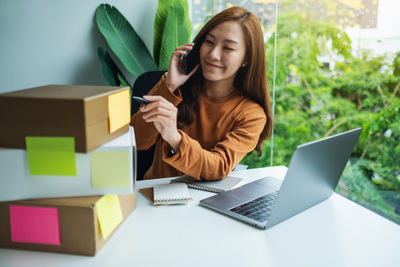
192	57
140	100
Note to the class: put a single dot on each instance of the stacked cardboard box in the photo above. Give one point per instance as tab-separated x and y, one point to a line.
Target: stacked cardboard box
72	144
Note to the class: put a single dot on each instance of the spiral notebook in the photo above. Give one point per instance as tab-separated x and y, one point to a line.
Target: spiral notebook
212	186
167	194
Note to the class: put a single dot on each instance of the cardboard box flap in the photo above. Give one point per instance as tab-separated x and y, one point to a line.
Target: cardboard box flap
88	201
74	92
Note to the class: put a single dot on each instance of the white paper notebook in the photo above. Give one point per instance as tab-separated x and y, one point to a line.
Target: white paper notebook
167	194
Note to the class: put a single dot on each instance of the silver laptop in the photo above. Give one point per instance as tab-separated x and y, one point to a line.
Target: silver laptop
312	176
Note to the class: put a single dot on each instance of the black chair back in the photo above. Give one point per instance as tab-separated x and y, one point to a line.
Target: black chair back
143	84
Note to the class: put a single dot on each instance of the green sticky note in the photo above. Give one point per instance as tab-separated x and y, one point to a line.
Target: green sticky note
51	155
111	169
109	214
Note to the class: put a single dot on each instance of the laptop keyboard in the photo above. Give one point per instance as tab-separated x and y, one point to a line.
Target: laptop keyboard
258	209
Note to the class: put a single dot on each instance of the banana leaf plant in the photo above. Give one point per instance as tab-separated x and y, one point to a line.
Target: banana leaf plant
172	28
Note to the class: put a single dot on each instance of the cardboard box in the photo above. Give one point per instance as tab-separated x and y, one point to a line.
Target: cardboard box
75	230
110	169
93	115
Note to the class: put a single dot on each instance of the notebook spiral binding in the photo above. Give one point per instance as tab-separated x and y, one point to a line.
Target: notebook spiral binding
172	199
207	188
202	187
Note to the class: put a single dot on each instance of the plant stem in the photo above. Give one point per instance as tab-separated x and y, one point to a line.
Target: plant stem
382	96
313	96
334	127
393	95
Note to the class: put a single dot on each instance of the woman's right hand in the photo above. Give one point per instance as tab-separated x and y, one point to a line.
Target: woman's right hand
176	73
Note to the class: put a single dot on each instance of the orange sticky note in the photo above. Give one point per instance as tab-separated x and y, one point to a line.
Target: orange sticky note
119	112
34	225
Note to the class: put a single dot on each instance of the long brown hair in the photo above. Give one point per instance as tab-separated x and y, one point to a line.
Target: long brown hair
251	80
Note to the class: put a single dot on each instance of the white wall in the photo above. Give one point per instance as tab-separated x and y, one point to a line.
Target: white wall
55	41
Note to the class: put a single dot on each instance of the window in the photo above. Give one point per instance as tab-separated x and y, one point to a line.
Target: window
337	68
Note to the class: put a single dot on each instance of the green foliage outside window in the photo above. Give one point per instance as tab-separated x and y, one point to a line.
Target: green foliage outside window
314	102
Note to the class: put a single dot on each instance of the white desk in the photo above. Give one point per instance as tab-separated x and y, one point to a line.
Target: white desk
336	232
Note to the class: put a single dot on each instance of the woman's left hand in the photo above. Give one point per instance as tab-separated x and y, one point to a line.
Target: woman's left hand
164	116
176	73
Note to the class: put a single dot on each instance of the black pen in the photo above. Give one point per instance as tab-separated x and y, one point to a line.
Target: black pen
141	100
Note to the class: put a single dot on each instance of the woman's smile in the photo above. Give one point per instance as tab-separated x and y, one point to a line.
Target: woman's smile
213	66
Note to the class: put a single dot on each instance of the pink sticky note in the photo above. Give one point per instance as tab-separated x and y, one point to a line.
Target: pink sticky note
34	225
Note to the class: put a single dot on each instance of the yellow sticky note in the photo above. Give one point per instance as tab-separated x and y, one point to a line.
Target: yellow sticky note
119	112
111	169
109	214
51	155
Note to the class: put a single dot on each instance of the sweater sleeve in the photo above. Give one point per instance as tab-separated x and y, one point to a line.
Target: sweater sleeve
145	133
217	162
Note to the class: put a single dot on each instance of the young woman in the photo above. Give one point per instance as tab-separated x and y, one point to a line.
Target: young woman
205	122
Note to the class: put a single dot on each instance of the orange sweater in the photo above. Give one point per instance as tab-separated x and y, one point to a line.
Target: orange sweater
223	131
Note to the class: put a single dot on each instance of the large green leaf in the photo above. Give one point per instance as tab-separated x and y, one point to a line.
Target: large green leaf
163	8
111	72
123	40
175	34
